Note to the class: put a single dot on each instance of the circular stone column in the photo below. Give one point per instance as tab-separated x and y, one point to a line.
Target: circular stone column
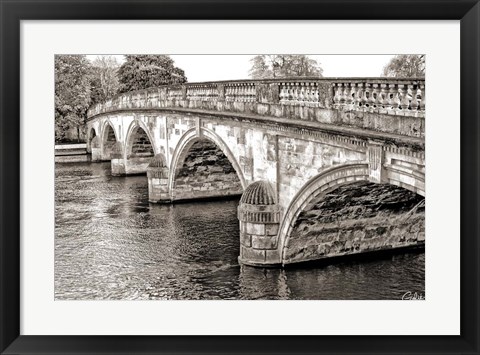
157	173
259	217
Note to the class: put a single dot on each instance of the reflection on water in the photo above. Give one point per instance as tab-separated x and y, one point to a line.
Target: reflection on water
110	243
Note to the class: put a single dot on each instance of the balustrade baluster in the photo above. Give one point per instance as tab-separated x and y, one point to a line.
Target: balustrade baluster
282	93
371	97
389	96
422	93
375	95
364	96
413	102
289	93
316	95
293	93
228	93
301	93
357	102
384	95
241	92
308	93
342	94
336	97
350	89
395	98
404	100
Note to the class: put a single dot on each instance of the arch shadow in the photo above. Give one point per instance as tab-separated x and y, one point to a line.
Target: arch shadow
185	143
91	133
106	127
134	125
314	190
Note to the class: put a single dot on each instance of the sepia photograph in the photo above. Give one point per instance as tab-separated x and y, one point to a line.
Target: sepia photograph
239	177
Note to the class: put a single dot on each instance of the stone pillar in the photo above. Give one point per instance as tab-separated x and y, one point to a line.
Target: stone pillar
157	173
375	161
259	217
118	160
96	149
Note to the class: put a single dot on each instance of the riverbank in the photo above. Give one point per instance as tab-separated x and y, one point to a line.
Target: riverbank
71	153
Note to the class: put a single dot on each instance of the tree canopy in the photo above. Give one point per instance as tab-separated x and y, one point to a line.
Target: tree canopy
405	66
72	92
104	78
144	71
284	66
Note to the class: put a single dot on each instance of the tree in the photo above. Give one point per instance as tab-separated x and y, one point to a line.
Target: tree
145	71
284	66
104	84
405	66
72	93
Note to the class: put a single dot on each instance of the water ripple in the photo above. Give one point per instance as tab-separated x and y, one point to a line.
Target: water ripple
110	243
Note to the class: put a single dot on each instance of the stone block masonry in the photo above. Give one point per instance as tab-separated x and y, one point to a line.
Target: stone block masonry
157	173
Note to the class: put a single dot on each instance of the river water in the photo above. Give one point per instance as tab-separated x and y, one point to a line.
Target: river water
110	243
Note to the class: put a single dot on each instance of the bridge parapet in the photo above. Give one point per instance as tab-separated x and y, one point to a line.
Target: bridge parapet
380	104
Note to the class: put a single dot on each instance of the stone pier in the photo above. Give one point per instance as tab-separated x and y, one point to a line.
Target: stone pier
259	217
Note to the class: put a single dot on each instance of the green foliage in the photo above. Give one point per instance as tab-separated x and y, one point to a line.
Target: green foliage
72	92
405	66
284	66
145	71
104	79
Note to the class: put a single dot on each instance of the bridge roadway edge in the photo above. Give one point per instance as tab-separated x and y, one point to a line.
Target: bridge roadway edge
416	143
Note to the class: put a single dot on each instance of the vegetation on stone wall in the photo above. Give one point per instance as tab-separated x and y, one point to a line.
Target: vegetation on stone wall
284	66
405	66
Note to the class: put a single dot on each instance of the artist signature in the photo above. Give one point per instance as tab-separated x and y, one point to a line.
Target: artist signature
413	296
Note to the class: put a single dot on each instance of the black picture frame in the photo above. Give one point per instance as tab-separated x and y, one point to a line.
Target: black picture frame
12	12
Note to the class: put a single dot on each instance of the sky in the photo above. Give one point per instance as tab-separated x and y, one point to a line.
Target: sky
230	67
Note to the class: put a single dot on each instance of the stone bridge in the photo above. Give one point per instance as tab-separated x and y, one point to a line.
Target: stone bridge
326	167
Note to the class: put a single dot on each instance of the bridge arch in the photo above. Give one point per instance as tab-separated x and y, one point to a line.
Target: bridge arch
137	130
187	141
410	179
325	218
314	190
108	139
91	133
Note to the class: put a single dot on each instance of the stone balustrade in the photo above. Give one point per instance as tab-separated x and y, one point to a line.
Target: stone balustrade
202	92
354	102
241	92
404	97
